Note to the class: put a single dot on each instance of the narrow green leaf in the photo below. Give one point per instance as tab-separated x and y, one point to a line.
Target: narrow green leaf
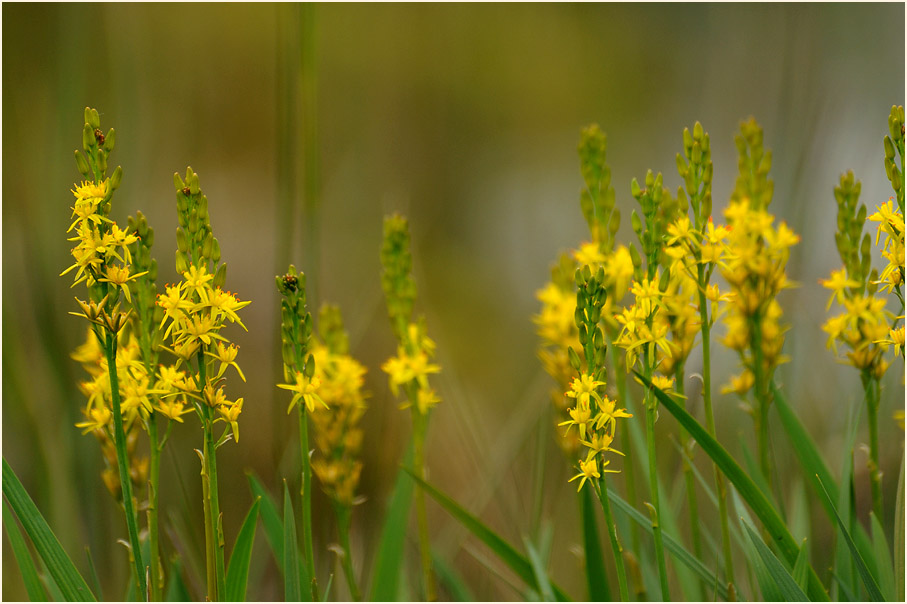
23	557
799	521
327	588
884	569
389	559
845	567
671	544
270	519
451	580
291	577
241	556
505	552
53	590
801	566
870	583
787	588
59	565
596	575
767	587
539	569
756	474
176	588
899	537
744	485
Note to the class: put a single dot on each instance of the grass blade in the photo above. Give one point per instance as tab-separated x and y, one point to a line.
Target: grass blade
505	552
871	586
787	589
671	544
291	577
801	567
23	557
386	570
899	538
176	588
327	588
540	571
596	575
884	570
241	556
59	565
270	519
745	486
451	580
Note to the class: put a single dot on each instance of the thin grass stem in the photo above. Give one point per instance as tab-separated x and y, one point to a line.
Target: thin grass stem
601	489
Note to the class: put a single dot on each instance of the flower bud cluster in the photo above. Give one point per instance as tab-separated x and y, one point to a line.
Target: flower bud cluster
295	336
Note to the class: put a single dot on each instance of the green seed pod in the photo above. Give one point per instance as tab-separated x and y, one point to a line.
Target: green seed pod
181	243
574	358
88	139
193	184
110	140
116	178
81	164
889	148
220	277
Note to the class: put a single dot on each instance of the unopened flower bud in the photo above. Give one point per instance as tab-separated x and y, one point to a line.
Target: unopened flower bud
81	164
116	178
109	140
193	183
102	161
220	277
88	139
182	264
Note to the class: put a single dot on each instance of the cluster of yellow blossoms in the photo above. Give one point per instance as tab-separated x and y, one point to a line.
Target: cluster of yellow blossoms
338	437
411	367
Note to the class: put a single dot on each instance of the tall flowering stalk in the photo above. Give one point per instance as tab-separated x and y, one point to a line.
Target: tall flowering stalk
195	311
755	263
338	437
299	369
596	424
694	248
644	325
103	262
412	365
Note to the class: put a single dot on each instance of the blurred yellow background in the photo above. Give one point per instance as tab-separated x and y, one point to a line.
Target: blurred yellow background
466	119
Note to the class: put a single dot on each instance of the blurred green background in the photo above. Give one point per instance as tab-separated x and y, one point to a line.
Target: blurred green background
466	119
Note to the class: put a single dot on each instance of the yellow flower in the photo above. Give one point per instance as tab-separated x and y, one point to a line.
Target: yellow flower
226	354
227	303
403	369
837	284
196	279
587	471
589	253
305	390
119	276
230	414
99	417
172	409
582	387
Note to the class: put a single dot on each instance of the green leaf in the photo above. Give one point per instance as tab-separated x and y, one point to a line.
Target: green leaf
241	556
787	588
505	552
23	557
327	588
744	485
386	570
291	577
844	566
756	474
540	570
176	588
868	580
596	575
451	580
884	569
671	544
801	567
59	565
899	538
270	519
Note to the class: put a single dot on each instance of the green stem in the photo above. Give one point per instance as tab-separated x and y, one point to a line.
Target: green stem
689	479
307	500
214	532
210	573
153	482
601	490
651	411
620	376
762	402
419	426
344	518
720	487
871	386
119	439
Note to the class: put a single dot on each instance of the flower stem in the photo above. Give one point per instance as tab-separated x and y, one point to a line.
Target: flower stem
762	401
419	426
153	482
871	386
710	426
214	533
344	517
689	479
601	490
307	500
650	405
620	376
119	439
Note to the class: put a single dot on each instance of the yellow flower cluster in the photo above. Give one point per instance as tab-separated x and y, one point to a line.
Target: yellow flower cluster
338	438
411	367
197	310
755	262
891	224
